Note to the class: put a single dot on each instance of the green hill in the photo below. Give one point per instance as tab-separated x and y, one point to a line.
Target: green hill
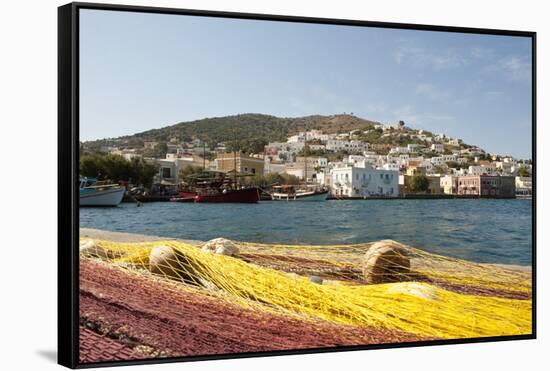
246	126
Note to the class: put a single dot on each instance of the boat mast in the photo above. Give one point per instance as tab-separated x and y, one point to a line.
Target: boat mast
235	159
305	157
203	156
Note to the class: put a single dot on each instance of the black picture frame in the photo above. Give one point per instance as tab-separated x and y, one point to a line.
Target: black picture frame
68	160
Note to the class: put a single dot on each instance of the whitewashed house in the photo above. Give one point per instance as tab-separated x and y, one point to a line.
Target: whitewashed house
438	147
489	169
353	181
449	184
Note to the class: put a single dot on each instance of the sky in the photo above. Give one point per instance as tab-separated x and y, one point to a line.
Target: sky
143	71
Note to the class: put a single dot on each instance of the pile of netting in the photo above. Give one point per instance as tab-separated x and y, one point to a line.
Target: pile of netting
416	292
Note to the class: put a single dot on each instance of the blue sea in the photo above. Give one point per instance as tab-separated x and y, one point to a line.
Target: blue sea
487	230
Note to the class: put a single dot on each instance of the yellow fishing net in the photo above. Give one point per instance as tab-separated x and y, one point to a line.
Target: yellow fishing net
437	297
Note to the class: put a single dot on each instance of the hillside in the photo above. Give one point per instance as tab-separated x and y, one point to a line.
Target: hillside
247	126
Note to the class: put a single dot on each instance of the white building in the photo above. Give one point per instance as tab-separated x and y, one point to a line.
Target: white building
440	160
128	154
524	186
336	145
390	166
412	147
449	184
172	164
353	181
296	138
396	150
505	167
271	166
438	147
482	170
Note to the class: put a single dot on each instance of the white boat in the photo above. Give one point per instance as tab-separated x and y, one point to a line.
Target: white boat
100	194
290	194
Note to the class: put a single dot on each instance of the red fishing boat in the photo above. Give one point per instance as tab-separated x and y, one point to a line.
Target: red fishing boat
245	195
215	187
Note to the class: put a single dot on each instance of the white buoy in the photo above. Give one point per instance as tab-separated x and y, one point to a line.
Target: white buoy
164	261
386	261
221	246
417	289
92	249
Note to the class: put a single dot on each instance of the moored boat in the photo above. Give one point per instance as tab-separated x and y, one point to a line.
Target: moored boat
290	193
92	193
215	187
246	195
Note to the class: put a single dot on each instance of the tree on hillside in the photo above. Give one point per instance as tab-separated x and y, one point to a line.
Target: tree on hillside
457	165
189	170
440	169
524	172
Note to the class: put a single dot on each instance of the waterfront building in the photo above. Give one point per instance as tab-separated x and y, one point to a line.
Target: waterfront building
273	166
299	168
244	164
524	186
449	184
487	186
173	163
414	167
354	181
300	171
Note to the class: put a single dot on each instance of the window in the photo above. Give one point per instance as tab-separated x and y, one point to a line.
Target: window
253	171
166	173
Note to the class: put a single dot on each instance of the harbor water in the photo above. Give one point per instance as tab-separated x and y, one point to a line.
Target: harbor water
486	230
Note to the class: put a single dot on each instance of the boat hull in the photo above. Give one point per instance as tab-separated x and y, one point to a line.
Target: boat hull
313	196
182	199
109	197
249	195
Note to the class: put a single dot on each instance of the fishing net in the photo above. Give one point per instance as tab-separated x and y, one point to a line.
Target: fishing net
367	285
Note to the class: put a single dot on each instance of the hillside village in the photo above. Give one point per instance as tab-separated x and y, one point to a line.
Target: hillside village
353	158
